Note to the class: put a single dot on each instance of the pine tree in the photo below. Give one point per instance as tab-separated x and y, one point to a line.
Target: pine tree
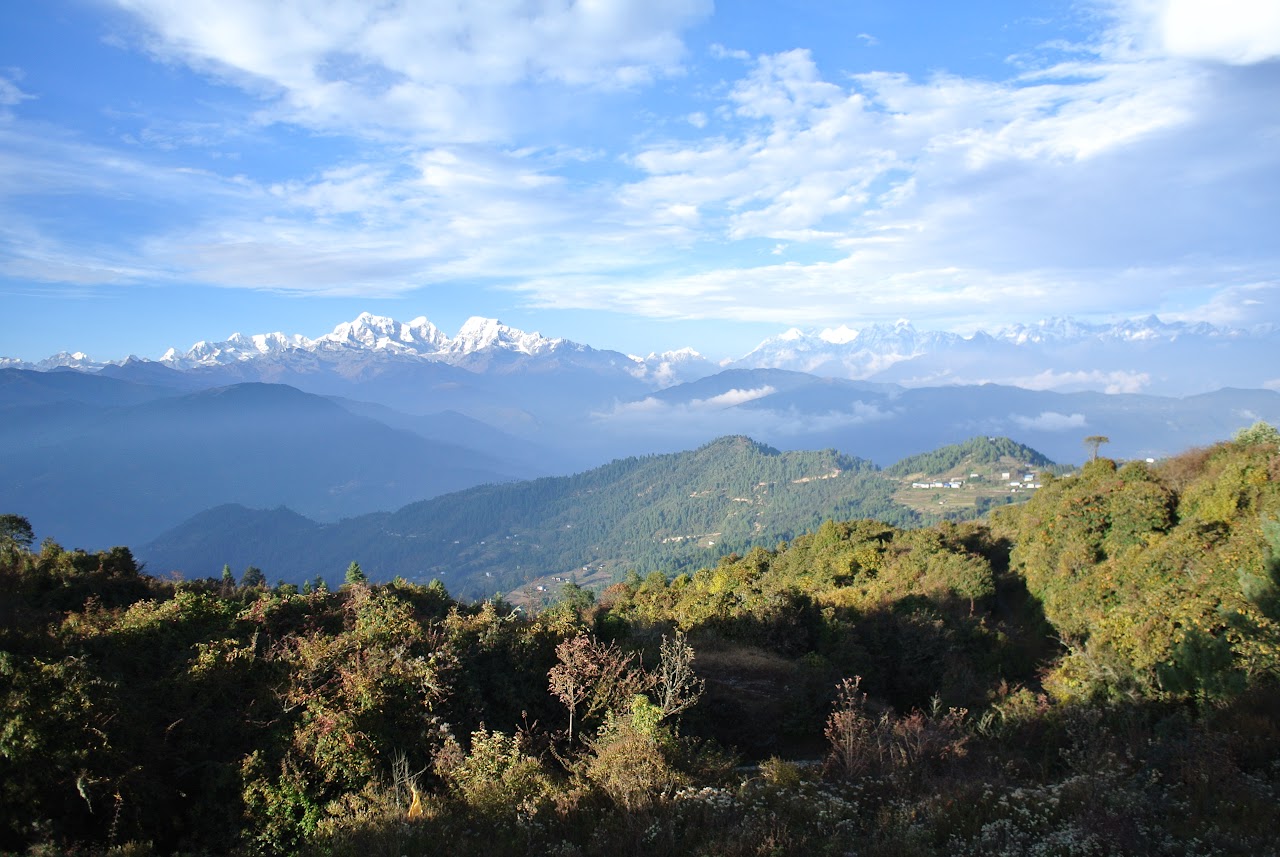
253	576
355	574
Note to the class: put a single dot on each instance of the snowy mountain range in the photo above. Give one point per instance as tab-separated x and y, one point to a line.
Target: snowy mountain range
1144	355
379	412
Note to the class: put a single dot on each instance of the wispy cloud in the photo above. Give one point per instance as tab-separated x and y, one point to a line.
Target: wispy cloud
1117	381
10	92
444	73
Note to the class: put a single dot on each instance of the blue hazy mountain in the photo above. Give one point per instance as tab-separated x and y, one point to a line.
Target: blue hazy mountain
97	474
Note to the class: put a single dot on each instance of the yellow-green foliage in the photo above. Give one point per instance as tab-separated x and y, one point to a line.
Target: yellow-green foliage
629	759
1140	569
496	777
860	564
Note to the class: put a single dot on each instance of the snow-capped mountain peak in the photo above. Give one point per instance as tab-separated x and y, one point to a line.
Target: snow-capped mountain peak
421	331
367	330
479	334
1053	353
417	339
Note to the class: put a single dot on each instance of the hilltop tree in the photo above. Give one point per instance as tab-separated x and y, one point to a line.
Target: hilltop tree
15	529
1094	441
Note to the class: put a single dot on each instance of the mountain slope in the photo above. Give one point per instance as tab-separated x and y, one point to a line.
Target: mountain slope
666	512
23	388
649	512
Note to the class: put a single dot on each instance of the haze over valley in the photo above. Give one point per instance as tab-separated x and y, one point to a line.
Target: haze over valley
381	414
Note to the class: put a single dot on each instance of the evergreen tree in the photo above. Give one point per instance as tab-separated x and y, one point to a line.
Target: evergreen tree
355	574
253	576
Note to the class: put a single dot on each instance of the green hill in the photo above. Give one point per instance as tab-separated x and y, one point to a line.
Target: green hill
965	480
960	457
660	512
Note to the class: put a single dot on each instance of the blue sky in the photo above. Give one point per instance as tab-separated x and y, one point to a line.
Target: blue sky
634	175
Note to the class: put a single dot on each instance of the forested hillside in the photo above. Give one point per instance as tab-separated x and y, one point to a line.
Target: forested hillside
978	450
1094	672
661	512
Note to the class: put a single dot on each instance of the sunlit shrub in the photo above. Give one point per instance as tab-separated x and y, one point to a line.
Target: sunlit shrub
496	778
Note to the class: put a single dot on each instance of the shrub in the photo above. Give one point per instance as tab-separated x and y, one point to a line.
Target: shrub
629	758
496	778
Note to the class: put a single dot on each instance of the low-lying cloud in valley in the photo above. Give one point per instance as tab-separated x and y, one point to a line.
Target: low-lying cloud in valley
1050	421
700	419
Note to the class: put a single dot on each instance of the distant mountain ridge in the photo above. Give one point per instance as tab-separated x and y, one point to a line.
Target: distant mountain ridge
368	332
481	344
1136	355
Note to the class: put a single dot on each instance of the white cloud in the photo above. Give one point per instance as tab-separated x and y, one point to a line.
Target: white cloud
1118	381
10	93
732	398
1050	421
1239	32
689	422
720	52
446	72
1246	305
952	199
723	401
